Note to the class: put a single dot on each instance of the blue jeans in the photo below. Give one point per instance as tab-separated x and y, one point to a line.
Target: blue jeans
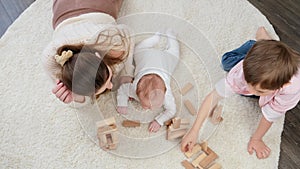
230	59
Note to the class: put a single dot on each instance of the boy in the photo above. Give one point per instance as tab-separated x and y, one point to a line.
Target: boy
270	71
151	85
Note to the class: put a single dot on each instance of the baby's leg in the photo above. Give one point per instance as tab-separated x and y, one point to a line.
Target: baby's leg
173	45
149	42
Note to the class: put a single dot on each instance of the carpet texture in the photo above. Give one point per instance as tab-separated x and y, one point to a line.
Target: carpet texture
38	131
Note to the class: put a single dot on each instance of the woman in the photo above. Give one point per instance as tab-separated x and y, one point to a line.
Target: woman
87	47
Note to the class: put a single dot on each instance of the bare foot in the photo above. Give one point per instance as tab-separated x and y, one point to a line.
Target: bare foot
262	34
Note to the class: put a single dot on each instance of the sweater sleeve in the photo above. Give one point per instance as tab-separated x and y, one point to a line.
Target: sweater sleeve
123	94
170	109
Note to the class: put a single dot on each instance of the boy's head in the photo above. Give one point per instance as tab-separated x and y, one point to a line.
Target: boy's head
151	91
269	65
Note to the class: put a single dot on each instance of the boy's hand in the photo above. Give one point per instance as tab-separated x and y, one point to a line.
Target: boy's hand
262	151
62	93
154	126
122	109
188	141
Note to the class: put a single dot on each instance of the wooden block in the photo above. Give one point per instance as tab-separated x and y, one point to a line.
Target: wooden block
187	165
114	137
216	115
196	149
106	122
109	139
176	122
197	161
204	146
129	123
112	146
185	121
168	122
102	140
107	129
171	128
186	88
215	166
106	132
175	134
210	158
208	151
188	104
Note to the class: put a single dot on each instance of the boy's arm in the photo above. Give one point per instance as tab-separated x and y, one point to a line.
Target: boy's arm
256	143
262	129
210	101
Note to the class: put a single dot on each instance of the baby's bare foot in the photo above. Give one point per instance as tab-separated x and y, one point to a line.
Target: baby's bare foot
262	34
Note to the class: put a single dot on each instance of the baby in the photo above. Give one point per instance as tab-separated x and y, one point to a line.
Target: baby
151	84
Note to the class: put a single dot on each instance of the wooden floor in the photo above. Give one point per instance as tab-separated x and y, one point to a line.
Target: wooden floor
284	15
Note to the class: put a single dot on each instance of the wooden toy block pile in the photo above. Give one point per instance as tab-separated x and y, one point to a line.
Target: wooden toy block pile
176	128
204	158
107	133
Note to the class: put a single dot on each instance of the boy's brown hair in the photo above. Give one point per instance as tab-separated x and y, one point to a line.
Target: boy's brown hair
270	64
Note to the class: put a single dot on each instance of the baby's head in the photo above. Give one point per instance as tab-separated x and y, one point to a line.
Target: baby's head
84	72
151	91
269	65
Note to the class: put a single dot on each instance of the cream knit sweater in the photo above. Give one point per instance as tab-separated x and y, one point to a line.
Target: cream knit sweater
84	29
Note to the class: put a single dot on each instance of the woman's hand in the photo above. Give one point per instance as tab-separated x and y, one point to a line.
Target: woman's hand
62	93
65	95
189	140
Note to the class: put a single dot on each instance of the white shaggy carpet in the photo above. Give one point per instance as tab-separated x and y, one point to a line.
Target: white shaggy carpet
38	131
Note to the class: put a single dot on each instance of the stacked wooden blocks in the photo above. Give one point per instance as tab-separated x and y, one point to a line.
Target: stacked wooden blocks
177	128
204	159
107	133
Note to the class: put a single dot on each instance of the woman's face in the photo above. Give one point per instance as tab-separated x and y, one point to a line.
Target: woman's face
108	84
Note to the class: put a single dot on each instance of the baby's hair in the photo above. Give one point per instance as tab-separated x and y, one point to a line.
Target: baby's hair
84	73
270	64
149	83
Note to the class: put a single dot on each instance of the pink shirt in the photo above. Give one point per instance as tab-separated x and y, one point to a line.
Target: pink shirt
273	106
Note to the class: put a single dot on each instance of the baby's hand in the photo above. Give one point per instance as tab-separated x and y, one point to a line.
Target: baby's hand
122	109
154	126
262	151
